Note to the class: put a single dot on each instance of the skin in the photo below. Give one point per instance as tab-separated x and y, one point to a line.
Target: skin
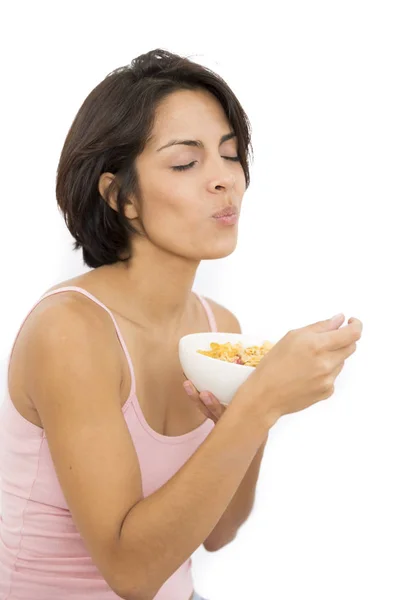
174	215
175	210
153	291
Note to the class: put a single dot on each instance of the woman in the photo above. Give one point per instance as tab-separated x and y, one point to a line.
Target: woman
111	476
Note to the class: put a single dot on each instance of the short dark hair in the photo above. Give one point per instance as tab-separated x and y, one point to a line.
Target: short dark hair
110	130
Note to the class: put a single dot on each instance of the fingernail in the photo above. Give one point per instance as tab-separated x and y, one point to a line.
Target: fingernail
188	388
337	316
207	399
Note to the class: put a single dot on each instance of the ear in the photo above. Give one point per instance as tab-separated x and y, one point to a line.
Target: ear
105	180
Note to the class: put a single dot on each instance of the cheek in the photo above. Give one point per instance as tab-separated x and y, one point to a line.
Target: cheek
171	213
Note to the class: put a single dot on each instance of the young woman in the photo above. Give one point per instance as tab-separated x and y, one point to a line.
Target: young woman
112	476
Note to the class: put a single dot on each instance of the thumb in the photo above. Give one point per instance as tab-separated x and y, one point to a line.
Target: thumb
329	324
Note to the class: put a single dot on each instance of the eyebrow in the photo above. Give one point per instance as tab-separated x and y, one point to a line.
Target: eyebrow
197	143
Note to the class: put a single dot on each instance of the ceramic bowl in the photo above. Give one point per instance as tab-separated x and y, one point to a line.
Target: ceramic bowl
220	377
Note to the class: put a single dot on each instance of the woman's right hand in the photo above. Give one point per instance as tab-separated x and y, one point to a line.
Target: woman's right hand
301	368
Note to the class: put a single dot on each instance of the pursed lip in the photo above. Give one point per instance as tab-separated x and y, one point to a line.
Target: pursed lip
226	212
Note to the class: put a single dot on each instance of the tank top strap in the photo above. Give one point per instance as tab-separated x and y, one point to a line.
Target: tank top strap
210	315
73	288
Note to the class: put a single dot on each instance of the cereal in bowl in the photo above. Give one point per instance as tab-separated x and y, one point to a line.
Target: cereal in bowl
236	353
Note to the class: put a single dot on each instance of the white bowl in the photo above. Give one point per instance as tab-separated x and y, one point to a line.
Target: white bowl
220	377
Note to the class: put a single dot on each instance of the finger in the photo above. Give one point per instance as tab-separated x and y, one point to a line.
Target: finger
337	370
194	395
208	406
212	403
206	411
340	338
339	356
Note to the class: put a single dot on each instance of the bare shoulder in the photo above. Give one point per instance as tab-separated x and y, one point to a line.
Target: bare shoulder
63	310
68	323
76	303
67	309
74	281
74	376
226	320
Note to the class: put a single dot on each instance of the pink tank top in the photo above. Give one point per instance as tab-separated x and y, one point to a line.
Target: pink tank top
42	555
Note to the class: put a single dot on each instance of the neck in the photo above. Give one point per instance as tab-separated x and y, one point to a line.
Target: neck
155	288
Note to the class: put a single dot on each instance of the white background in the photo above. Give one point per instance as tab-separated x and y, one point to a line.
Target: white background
318	236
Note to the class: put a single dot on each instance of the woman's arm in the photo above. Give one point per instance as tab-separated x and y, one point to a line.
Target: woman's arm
239	508
136	543
160	532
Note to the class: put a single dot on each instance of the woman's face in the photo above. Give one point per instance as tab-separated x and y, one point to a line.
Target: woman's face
176	206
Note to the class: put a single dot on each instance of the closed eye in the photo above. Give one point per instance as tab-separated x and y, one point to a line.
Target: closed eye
190	165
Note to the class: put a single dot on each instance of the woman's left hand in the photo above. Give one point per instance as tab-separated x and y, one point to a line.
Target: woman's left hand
206	402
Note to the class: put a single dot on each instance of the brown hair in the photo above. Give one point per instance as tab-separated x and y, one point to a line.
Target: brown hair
110	130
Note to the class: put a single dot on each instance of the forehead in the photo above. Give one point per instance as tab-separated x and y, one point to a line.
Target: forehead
188	112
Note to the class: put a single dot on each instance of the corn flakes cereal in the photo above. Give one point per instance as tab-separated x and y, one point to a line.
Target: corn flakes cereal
236	353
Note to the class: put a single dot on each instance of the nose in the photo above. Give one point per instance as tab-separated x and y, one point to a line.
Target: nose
223	179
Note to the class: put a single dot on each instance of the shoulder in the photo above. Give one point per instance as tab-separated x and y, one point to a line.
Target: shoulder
226	320
66	328
67	315
75	303
70	304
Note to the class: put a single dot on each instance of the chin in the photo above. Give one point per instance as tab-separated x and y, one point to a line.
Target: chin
219	250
